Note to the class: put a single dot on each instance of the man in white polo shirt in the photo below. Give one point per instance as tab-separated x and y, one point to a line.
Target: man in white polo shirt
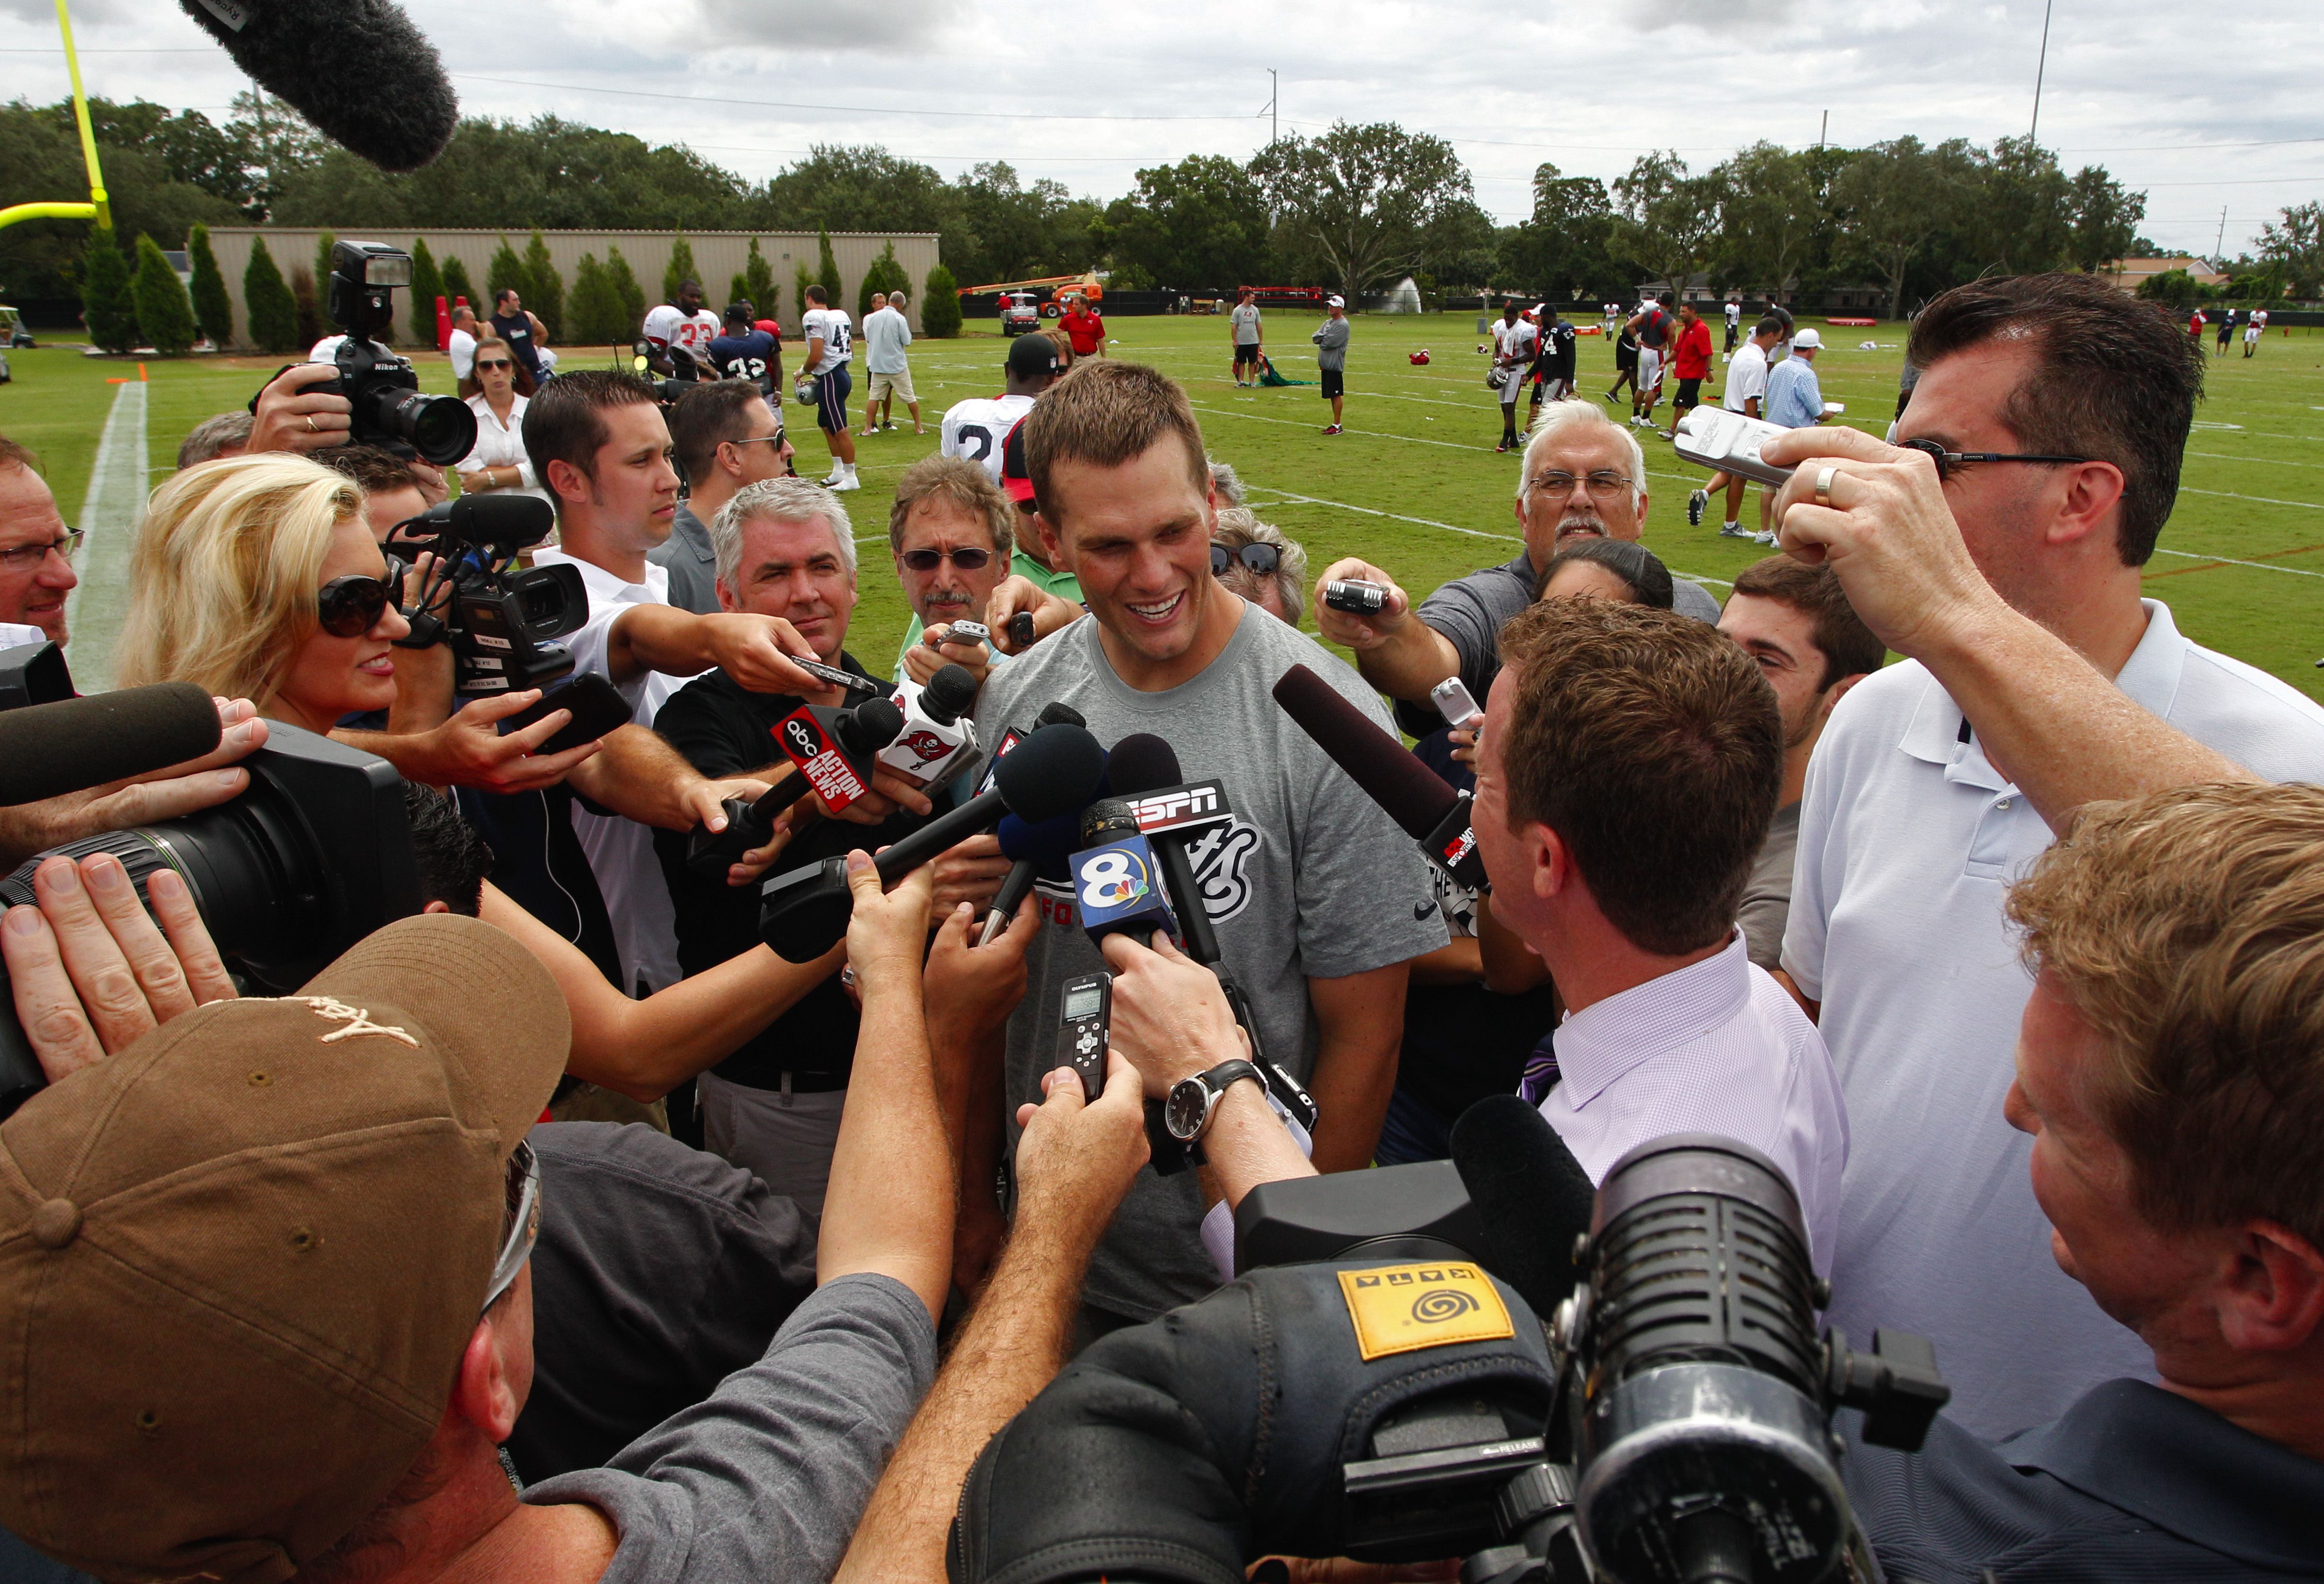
2038	680
1746	393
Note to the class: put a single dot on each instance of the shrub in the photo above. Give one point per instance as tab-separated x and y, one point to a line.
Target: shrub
596	307
505	271
274	315
544	287
164	317
305	309
940	305
427	286
107	305
679	268
884	276
213	308
826	273
799	286
628	293
759	283
457	286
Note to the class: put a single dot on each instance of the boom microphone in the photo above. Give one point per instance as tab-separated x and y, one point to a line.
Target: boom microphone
48	750
1431	812
1533	1198
358	69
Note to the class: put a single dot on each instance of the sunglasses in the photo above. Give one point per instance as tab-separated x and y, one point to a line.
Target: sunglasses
1261	559
1948	460
968	561
522	1187
348	607
493	362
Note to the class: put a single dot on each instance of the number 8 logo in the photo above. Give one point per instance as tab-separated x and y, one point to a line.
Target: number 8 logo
1107	881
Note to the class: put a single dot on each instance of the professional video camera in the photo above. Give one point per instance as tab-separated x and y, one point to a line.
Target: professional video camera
503	620
1400	1400
390	411
315	855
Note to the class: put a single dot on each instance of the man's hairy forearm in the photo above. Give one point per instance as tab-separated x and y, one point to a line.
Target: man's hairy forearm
1013	1345
637	774
1414	658
889	1206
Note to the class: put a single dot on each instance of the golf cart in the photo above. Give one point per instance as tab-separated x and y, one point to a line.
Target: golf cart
1019	311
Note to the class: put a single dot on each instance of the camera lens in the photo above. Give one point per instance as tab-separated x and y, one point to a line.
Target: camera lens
441	428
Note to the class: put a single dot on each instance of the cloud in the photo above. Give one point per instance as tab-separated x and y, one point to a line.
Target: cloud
1713	16
876	27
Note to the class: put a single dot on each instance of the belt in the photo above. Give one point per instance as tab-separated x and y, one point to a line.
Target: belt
794	1083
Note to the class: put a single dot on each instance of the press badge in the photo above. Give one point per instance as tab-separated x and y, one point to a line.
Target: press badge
1403	1308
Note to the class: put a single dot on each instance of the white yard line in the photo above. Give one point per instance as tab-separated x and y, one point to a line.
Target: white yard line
108	515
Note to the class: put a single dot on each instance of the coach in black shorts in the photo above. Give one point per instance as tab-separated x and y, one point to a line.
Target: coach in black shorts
1330	340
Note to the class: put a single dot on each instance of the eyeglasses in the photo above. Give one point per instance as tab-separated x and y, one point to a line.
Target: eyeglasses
522	1187
349	607
483	363
968	561
1604	484
774	439
24	557
1947	461
1262	559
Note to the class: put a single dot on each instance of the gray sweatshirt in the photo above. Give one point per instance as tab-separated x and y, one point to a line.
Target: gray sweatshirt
1332	342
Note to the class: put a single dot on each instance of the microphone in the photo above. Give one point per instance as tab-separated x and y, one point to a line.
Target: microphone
804	913
1431	812
1533	1198
1052	715
1035	853
359	71
937	740
1117	885
832	751
48	750
1144	768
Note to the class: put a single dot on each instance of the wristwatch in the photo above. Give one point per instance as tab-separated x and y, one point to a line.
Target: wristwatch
1194	1100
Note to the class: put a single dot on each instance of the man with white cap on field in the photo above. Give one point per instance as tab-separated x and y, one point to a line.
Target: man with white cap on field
1332	355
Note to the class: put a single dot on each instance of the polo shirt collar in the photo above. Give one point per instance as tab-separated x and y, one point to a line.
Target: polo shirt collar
2149	679
2155	1455
1608	1038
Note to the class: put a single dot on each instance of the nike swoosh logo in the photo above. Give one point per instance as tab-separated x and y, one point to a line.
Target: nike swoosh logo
1421	910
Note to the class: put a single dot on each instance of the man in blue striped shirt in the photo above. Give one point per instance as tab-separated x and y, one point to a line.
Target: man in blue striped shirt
1794	399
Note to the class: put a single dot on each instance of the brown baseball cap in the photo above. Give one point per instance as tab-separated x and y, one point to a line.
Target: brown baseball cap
240	1261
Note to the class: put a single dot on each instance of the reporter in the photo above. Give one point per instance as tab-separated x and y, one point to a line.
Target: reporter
36	548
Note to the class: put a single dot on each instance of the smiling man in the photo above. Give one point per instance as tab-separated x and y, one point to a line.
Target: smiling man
36	547
1583	475
1319	901
953	532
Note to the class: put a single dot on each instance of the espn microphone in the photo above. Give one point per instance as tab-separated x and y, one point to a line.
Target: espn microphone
937	740
804	913
830	752
1533	1198
358	69
1431	812
1117	884
1141	766
48	750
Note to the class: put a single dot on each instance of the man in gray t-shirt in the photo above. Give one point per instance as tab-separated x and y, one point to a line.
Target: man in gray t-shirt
1319	900
1244	322
1584	476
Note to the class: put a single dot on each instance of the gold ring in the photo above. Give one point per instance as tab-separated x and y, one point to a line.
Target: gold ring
310	424
1823	484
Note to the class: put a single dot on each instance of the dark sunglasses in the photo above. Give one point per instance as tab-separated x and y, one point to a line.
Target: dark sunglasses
968	561
493	362
1262	559
349	607
1947	461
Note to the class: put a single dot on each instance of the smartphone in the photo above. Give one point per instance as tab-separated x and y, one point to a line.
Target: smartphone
597	707
1085	1012
1729	441
1456	703
835	675
1353	594
966	632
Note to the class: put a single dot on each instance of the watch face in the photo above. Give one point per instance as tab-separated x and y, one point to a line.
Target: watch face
1185	1111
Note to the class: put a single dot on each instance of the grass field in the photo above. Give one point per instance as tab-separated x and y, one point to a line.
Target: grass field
1415	484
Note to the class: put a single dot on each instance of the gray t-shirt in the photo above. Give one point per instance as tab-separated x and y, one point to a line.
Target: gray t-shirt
1332	344
1246	325
1311	880
1472	611
1767	894
768	1478
691	563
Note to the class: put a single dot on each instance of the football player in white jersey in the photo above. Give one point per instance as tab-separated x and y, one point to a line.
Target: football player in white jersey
975	429
684	324
830	337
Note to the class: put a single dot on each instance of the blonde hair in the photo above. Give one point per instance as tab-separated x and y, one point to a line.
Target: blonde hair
1238	527
2187	927
226	573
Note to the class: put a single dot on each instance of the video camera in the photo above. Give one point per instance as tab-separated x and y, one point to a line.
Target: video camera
1399	1398
390	411
503	620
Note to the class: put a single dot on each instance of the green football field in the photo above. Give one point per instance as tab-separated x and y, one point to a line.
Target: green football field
1414	485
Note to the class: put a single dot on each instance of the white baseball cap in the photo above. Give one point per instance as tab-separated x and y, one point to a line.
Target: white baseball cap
1806	338
1336	302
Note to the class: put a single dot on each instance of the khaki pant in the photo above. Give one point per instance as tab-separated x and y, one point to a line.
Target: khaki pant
785	1140
897	384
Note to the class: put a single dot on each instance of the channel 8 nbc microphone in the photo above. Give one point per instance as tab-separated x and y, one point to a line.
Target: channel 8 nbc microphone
1117	883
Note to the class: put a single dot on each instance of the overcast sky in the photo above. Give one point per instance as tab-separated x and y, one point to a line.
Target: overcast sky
2161	93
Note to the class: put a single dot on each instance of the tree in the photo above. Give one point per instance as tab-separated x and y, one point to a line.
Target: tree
279	147
826	273
940	305
1769	205
1359	202
2020	221
1202	223
2175	287
884	276
595	312
164	317
679	268
274	317
2296	244
107	305
1896	195
863	189
798	288
1665	220
427	286
323	245
1566	245
628	293
544	288
758	282
305	308
506	272
2106	218
213	308
456	286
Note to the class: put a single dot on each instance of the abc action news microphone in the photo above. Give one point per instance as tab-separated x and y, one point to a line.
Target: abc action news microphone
1431	812
804	912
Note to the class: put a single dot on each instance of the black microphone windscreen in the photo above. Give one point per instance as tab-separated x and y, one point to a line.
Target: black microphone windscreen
1052	772
1058	712
1411	793
47	749
1531	1196
950	694
878	722
1142	763
359	71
